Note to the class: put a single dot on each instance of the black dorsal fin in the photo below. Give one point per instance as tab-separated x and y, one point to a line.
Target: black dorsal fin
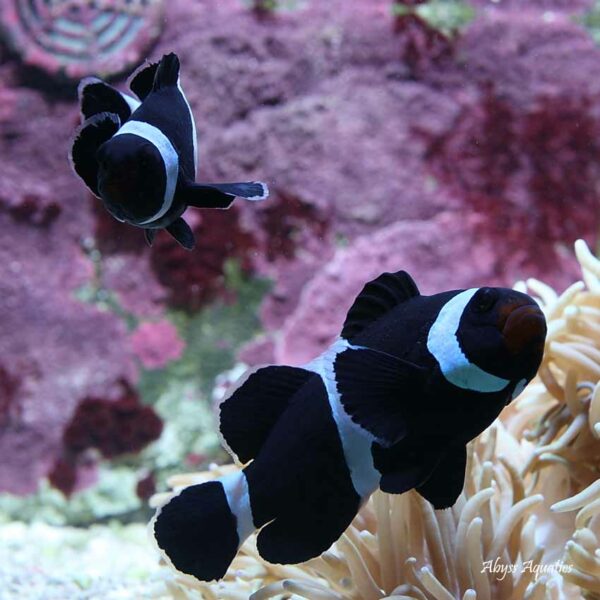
247	416
143	79
167	73
377	298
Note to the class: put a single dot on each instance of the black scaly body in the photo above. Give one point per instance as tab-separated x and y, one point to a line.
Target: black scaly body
390	404
139	157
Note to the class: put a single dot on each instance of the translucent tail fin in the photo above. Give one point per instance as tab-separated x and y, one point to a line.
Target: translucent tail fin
200	530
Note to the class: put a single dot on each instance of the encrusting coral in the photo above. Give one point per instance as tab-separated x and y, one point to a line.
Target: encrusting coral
512	534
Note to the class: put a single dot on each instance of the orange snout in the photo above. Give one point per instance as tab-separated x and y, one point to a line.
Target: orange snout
523	328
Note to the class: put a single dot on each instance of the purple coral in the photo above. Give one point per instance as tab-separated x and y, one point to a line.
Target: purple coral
8	390
422	47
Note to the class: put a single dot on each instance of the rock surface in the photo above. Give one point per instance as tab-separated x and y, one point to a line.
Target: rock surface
465	161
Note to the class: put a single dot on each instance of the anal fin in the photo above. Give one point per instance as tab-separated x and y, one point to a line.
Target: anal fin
444	485
297	537
249	413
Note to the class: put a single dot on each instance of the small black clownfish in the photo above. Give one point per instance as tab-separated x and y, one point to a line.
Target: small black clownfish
390	405
140	158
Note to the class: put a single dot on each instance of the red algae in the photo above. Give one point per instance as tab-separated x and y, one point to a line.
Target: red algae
112	427
194	278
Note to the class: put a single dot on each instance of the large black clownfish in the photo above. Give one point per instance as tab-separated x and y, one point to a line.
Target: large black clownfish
140	158
390	405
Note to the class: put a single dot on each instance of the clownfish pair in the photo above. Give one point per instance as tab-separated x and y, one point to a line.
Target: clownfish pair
139	156
390	405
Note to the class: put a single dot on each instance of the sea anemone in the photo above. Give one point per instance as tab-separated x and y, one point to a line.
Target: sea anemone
512	534
560	411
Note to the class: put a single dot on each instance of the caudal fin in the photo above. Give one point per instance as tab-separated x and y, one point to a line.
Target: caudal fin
200	530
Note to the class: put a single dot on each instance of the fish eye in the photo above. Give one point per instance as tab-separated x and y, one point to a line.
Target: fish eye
484	300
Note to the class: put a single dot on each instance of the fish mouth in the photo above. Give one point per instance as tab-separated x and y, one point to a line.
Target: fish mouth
524	329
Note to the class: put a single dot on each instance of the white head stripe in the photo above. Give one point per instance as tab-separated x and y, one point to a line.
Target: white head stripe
169	155
356	441
443	344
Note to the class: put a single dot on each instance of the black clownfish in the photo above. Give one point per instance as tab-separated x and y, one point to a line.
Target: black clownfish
390	405
140	158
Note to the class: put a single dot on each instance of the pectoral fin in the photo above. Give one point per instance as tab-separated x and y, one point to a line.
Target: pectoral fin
376	390
221	195
181	231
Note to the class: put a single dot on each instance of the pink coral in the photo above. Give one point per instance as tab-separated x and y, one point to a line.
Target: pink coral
156	344
420	247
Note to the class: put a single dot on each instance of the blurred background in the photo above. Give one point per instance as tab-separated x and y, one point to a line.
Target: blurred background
458	140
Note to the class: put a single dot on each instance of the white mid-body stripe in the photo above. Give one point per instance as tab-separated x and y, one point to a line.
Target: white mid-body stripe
443	345
238	497
194	138
356	441
169	156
